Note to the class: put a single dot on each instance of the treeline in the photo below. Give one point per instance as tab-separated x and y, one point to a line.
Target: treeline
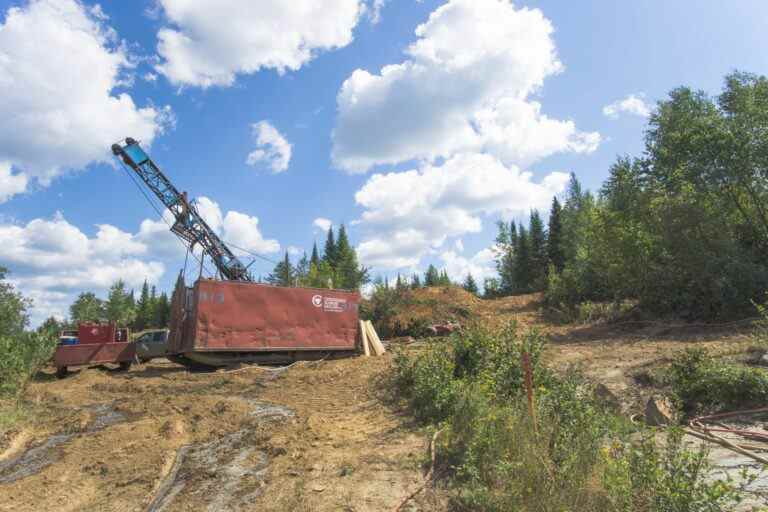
682	229
338	267
150	311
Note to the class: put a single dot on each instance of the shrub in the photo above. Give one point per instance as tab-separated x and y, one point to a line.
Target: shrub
702	383
21	356
643	476
576	456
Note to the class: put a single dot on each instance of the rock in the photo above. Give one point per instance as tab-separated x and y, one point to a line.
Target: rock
318	488
607	398
763	360
659	411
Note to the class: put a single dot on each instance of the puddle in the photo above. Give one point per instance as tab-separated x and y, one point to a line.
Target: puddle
219	471
41	456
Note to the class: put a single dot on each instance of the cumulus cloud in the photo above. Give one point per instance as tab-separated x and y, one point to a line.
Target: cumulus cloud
51	260
237	229
633	104
465	86
410	214
205	47
322	223
11	183
271	150
481	265
60	64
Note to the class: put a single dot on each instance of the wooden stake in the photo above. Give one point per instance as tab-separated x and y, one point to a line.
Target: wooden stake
529	388
364	339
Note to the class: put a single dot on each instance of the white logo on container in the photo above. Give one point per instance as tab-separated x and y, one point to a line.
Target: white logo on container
317	301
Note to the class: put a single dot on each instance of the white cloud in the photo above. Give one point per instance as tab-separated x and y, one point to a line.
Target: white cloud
633	104
410	214
239	230
459	245
294	251
10	183
374	10
51	260
204	46
59	66
465	87
322	223
271	148
481	265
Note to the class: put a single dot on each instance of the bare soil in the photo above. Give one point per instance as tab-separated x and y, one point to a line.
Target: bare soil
316	436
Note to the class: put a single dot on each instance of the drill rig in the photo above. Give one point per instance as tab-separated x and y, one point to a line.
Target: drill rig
232	319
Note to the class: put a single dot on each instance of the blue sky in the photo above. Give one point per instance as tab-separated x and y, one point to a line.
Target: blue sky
477	117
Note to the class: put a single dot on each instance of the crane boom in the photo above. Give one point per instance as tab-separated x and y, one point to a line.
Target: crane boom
188	225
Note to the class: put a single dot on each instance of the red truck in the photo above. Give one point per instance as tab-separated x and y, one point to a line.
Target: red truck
94	344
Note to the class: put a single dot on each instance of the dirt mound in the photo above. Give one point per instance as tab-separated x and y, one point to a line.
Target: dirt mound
420	308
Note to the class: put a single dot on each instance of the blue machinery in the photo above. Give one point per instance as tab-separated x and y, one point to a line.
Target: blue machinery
188	225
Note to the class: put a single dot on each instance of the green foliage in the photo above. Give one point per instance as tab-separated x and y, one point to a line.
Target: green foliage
87	308
119	308
683	230
642	476
555	236
703	383
470	284
432	276
284	274
575	456
21	356
21	352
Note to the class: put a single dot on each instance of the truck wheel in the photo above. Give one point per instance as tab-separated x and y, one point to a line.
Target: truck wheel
125	366
61	372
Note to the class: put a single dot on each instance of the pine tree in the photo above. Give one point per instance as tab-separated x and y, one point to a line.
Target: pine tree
555	236
469	284
444	280
432	277
283	274
415	282
538	251
330	253
522	272
315	259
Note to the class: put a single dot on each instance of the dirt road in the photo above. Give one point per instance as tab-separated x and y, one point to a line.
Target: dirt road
312	437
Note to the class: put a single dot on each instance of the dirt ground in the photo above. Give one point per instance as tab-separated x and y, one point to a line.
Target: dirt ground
315	436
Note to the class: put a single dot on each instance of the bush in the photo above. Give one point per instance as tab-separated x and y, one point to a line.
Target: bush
645	477
21	356
575	456
703	384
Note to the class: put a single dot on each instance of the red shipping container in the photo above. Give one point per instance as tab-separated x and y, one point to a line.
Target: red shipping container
232	316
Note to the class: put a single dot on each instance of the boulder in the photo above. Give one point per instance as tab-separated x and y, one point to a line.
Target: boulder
660	411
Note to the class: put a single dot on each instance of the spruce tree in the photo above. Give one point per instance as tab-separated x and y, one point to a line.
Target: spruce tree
555	236
522	270
283	274
350	274
315	259
432	277
538	251
329	252
415	281
143	309
469	284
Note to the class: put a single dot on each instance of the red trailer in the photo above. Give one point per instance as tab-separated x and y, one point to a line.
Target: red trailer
222	322
95	344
